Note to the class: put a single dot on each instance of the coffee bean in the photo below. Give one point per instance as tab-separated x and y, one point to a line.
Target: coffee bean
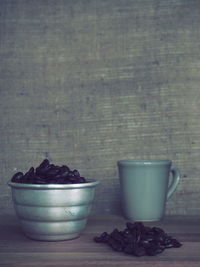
138	240
176	243
28	175
17	177
76	173
139	251
47	173
64	169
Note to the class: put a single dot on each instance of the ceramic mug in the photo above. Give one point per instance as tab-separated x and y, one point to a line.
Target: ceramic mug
145	188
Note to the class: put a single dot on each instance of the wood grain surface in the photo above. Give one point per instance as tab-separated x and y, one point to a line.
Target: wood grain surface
86	83
18	250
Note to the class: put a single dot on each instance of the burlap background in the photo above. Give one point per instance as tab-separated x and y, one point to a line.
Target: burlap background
86	83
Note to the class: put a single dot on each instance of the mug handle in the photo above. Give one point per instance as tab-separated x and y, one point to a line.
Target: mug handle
176	175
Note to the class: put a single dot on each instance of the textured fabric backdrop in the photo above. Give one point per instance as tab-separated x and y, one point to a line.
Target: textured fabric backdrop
86	83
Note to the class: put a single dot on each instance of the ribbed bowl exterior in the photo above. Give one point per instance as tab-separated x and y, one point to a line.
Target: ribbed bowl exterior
53	212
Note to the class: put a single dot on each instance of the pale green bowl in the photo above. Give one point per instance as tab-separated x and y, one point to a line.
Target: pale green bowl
53	212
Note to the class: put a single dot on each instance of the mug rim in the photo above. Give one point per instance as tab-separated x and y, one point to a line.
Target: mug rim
132	162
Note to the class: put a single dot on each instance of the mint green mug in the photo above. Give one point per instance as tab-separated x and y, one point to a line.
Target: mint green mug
145	188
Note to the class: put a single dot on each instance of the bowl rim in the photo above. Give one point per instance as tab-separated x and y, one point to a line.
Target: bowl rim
89	183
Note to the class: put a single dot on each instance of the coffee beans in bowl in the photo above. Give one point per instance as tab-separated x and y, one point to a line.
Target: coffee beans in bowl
52	202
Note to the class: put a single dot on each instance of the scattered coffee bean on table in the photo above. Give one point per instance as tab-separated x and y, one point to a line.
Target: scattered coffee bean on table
47	173
138	240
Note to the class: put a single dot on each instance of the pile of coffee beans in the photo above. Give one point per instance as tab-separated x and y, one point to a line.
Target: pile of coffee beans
47	173
138	240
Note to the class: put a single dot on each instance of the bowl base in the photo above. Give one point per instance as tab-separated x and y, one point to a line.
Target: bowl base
40	237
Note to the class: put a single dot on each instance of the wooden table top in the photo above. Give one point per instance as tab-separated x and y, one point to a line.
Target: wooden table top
18	250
